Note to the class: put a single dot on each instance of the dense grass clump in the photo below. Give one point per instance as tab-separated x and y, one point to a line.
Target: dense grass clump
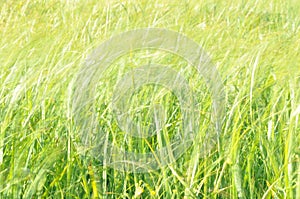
254	44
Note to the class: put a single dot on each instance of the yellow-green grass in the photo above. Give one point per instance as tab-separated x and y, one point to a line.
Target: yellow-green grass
254	44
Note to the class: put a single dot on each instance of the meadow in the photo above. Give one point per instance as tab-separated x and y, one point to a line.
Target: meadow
255	46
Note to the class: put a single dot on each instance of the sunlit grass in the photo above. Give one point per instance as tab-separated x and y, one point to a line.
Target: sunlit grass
255	46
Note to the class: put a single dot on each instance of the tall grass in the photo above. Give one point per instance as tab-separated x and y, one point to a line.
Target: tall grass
255	46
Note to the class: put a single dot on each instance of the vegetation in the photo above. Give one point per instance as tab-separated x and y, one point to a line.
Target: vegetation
255	46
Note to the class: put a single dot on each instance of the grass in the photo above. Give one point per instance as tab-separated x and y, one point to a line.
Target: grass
255	46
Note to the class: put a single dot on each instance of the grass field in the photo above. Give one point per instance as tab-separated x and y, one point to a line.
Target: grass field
255	46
